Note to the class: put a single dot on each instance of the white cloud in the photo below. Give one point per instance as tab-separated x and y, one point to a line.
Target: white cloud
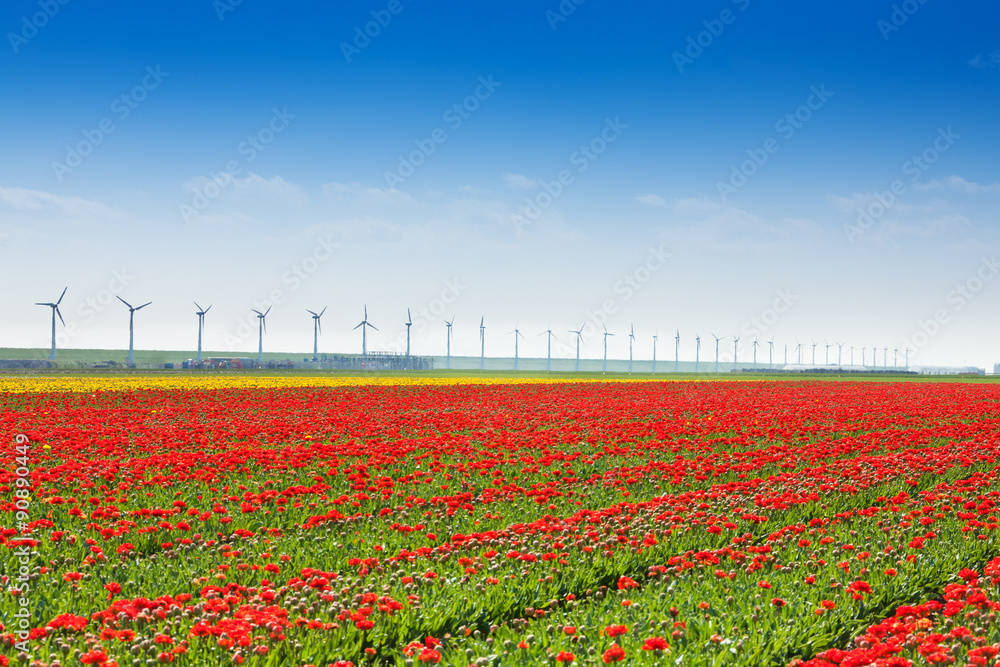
959	184
357	191
37	201
651	200
990	60
519	182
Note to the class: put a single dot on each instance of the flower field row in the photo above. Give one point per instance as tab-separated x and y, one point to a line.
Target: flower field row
708	523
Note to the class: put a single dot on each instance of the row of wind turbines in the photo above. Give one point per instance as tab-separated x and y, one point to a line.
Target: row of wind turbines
364	325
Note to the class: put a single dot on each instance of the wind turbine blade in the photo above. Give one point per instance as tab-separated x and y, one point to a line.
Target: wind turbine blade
144	305
200	309
360	325
206	310
366	312
60	315
322	311
51	305
409	318
319	325
123	301
311	313
373	327
258	312
62	295
267	311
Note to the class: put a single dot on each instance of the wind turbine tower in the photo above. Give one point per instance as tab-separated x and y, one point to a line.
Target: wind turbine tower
201	325
482	343
55	311
631	337
261	330
517	333
717	339
449	324
697	352
364	333
131	329
409	323
579	335
655	338
677	351
317	330
606	334
548	357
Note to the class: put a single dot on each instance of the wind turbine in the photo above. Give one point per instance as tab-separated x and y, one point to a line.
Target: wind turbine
827	351
907	360
631	337
655	338
579	335
131	317
798	351
736	352
606	334
786	354
697	352
548	358
814	354
852	355
55	311
885	357
201	325
863	350
677	351
482	343
517	333
409	323
448	324
755	344
717	339
770	354
317	330
364	332
261	330
840	353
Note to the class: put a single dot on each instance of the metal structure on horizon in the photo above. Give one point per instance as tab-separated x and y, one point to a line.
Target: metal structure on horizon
409	323
261	330
717	339
579	335
736	352
449	325
201	324
317	330
55	311
606	334
697	352
364	332
482	342
677	351
631	338
131	327
656	337
517	334
548	356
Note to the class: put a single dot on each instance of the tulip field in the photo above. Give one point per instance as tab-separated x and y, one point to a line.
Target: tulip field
269	520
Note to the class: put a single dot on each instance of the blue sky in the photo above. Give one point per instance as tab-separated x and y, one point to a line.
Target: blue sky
310	133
